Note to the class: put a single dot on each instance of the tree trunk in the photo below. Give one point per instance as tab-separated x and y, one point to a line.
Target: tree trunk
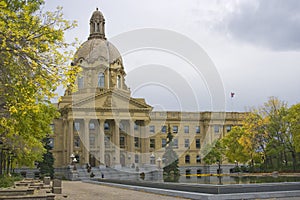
294	160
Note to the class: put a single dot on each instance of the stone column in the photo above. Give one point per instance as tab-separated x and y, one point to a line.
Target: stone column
130	143
65	142
144	144
86	141
70	145
116	142
131	129
101	141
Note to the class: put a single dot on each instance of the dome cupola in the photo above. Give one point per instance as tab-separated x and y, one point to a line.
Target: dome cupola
97	22
100	61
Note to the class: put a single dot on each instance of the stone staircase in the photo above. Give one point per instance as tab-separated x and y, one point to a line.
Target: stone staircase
29	189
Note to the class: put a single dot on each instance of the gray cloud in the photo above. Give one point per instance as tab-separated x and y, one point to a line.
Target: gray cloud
274	24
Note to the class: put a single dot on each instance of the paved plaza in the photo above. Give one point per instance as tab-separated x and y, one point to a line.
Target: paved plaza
77	190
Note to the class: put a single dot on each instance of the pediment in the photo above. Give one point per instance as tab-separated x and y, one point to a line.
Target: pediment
110	100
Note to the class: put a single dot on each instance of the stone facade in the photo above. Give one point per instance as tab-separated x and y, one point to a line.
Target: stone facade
102	125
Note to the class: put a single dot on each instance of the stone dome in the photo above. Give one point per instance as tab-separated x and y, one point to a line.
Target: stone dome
97	14
97	50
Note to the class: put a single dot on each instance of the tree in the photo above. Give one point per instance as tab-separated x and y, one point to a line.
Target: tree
213	153
33	57
170	158
293	126
46	165
269	136
234	150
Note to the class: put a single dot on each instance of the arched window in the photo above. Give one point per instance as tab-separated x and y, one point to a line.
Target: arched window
119	84
80	82
187	159
101	80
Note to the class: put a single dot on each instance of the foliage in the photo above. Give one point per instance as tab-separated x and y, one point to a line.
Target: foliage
8	181
46	165
170	158
234	150
213	153
269	137
33	54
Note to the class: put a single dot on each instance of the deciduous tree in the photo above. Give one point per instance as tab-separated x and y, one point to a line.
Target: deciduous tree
33	57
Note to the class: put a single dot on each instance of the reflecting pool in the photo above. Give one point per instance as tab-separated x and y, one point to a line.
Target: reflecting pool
224	180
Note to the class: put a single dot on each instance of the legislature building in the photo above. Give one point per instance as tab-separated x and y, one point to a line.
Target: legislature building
103	126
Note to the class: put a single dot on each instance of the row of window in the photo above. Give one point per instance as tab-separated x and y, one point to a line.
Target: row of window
152	128
92	141
174	129
187	159
100	83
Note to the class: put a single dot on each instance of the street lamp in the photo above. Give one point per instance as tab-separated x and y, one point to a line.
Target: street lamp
73	161
152	159
159	162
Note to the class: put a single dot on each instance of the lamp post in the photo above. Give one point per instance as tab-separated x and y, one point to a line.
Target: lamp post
73	161
159	162
152	159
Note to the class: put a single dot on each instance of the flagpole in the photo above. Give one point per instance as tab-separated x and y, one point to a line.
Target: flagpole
232	94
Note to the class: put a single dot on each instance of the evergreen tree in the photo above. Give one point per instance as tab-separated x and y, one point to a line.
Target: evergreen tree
170	158
46	166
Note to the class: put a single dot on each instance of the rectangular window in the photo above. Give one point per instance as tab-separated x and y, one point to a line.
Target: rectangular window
136	158
152	129
164	129
198	145
77	126
228	128
122	142
197	129
163	142
186	143
136	127
198	159
216	128
136	142
106	126
199	172
92	141
186	129
77	141
175	143
175	129
188	173
152	143
92	126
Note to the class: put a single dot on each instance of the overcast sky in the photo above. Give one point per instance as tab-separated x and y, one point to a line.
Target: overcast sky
253	44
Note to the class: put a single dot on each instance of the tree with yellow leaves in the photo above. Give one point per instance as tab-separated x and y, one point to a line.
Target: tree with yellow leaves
33	63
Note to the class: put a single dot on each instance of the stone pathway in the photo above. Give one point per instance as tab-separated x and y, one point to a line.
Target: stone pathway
76	190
